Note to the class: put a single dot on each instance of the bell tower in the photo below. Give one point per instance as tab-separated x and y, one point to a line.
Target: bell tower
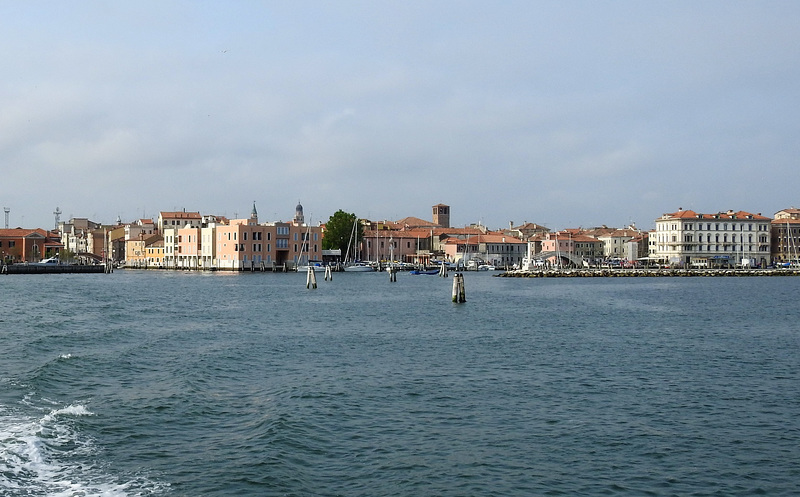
441	215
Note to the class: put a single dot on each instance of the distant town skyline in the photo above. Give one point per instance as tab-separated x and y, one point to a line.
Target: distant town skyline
285	217
564	114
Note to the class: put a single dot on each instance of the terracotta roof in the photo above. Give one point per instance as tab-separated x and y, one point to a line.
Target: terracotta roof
530	226
22	232
495	238
413	222
784	221
180	215
456	231
690	214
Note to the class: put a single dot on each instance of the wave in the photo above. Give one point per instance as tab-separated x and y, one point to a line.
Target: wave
49	456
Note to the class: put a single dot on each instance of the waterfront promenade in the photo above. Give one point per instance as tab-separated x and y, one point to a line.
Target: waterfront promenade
612	273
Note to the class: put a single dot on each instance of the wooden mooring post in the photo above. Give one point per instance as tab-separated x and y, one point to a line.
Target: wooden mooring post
311	279
459	292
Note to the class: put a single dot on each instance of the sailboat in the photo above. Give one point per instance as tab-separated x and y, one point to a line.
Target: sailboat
354	265
308	263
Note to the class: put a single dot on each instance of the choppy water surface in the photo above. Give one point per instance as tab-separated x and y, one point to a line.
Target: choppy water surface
172	383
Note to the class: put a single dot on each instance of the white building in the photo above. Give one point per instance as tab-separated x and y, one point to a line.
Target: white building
726	239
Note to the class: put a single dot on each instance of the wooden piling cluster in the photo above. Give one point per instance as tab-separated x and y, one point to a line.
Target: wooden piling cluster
311	279
459	291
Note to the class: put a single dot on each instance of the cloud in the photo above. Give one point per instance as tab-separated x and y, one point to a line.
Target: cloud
513	110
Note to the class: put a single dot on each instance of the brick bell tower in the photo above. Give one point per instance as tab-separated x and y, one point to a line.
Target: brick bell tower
441	215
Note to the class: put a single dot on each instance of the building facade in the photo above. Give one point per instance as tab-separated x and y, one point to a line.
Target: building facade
726	239
785	237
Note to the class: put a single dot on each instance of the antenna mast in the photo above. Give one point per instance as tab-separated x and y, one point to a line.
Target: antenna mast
57	213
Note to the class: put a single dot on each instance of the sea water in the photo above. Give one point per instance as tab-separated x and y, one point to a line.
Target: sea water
168	383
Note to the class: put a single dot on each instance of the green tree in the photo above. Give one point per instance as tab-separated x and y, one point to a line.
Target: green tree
66	255
338	229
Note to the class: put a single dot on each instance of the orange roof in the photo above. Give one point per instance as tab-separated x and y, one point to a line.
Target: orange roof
456	231
413	222
495	238
784	221
22	232
181	215
690	214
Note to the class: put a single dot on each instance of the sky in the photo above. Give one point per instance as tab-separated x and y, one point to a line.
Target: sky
563	113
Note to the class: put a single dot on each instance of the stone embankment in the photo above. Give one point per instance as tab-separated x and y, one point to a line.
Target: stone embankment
611	273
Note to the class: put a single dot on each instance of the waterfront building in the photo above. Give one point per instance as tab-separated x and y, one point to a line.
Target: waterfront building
496	249
461	250
27	245
188	246
170	236
138	254
127	241
78	236
384	245
526	230
247	244
725	239
615	243
570	247
178	219
501	250
785	236
139	227
410	239
154	248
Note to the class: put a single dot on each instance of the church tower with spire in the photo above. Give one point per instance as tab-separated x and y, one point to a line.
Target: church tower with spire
298	214
254	214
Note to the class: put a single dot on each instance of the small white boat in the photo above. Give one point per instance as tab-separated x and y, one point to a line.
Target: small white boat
359	267
50	261
315	265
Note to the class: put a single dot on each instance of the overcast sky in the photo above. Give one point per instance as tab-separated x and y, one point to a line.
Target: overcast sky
563	113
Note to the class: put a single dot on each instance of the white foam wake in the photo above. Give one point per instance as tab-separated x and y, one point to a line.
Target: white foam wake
49	456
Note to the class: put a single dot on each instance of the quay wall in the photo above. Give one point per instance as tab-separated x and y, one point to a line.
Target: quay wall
624	273
52	269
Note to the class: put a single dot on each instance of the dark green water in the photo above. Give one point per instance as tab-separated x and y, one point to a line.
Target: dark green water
172	383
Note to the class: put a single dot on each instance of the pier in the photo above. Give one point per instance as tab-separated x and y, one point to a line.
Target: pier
53	268
625	273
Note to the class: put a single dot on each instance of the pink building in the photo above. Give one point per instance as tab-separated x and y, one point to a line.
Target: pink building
246	244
